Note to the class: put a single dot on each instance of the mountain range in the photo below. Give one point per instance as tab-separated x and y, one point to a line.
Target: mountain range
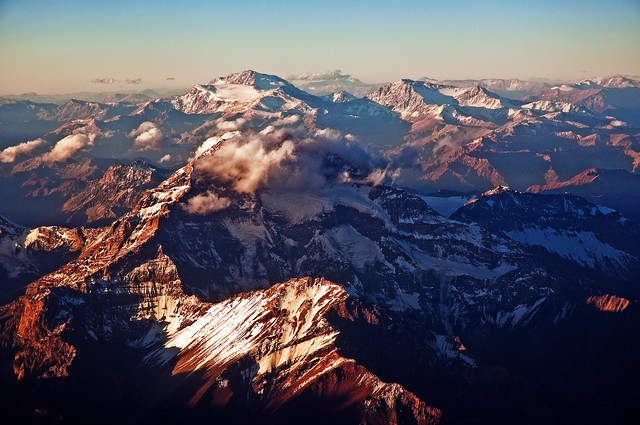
249	251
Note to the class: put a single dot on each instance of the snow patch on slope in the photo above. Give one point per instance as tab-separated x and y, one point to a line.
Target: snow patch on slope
276	327
233	93
360	250
445	205
582	247
300	206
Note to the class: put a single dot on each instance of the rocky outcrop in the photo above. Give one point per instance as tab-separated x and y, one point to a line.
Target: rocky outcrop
278	339
608	303
114	193
27	254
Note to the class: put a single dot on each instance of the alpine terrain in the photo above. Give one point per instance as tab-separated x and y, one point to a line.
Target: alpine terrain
254	251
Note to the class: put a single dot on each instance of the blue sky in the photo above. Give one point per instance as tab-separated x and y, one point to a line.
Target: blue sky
61	46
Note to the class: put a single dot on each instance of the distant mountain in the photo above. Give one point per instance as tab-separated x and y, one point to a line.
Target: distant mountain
613	82
511	88
618	189
77	193
324	83
133	97
617	96
416	99
113	194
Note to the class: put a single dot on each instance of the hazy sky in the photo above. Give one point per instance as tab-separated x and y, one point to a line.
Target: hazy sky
55	46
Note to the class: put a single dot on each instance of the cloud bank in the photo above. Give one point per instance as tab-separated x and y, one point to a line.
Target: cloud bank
68	146
10	153
317	76
148	137
113	80
278	159
246	164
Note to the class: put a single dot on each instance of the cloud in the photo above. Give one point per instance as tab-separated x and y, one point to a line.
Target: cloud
231	125
289	120
104	80
165	158
379	176
315	76
10	153
246	164
280	159
445	141
329	134
376	177
67	147
350	137
113	80
206	203
147	136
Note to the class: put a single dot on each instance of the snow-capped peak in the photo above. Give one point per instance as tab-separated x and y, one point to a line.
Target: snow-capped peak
242	325
252	78
612	82
342	96
498	190
477	96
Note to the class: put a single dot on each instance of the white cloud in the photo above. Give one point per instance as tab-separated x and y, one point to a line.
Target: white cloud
165	158
289	120
231	125
148	137
376	177
315	76
206	203
268	130
68	146
245	164
104	80
329	134
277	158
10	153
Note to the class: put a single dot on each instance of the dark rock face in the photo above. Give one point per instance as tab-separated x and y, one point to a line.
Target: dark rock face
566	227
